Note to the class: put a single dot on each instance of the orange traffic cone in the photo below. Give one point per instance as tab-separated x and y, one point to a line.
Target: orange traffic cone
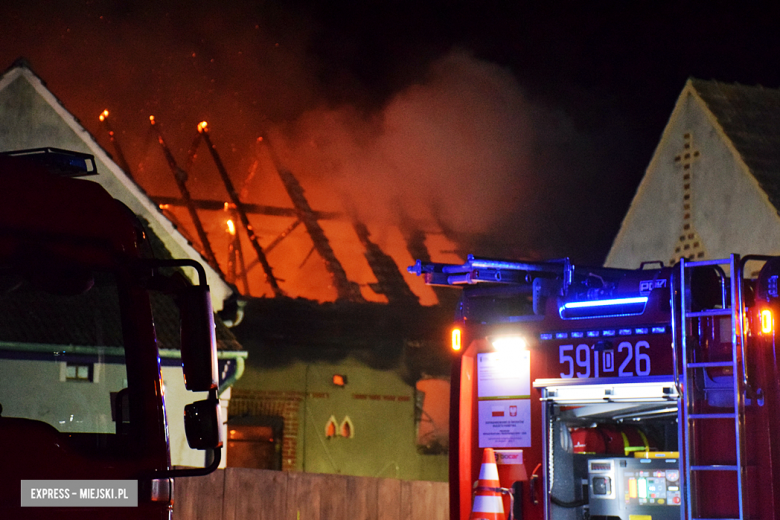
488	504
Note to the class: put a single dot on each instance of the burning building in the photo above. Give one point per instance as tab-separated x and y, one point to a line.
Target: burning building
346	355
342	350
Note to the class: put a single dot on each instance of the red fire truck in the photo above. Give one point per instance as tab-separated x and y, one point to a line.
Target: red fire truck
617	394
81	397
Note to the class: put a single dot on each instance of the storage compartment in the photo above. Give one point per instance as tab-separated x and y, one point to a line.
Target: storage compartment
612	452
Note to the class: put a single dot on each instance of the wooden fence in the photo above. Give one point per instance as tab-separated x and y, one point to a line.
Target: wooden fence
256	494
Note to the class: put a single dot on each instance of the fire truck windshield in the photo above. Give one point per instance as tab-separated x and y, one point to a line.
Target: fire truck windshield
63	353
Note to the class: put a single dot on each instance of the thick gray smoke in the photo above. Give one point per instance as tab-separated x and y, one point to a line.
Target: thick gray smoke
456	144
449	142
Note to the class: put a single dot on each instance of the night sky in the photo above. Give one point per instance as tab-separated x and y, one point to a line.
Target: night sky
526	127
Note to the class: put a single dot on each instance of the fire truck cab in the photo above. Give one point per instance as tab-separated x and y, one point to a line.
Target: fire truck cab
81	396
647	394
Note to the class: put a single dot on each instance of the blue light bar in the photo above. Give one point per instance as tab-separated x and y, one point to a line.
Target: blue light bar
604	303
603	308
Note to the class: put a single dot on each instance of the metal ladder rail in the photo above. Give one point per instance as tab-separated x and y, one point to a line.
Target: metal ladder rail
690	367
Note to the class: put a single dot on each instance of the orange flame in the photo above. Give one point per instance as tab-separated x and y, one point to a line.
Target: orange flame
151	119
231	227
103	115
202	126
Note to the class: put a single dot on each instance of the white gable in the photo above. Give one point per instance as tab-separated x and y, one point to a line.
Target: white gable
32	117
697	198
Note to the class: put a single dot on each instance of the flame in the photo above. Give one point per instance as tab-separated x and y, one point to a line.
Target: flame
202	126
103	115
231	227
151	119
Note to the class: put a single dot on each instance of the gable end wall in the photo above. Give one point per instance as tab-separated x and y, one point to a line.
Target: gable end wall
730	213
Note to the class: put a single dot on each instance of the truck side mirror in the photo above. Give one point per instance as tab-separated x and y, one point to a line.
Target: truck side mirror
198	339
202	424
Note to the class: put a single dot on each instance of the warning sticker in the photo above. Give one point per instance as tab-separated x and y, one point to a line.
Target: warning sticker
505	423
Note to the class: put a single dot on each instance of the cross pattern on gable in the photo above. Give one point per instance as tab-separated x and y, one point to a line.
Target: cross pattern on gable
689	244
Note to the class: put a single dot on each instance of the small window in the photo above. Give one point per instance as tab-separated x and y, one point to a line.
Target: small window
331	428
347	429
79	372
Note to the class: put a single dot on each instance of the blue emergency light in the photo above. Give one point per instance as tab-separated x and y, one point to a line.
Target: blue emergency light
599	308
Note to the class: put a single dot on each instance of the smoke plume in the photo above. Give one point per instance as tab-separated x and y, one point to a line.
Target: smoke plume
372	124
456	144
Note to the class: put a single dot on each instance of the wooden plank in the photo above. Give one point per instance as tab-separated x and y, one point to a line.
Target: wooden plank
441	493
219	205
303	497
361	498
389	499
422	501
255	493
405	500
333	494
199	498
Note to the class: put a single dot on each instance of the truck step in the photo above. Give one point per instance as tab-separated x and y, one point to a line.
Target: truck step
711	364
712	416
715	468
710	312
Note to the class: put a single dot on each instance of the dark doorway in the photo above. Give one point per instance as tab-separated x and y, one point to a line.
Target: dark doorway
255	442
